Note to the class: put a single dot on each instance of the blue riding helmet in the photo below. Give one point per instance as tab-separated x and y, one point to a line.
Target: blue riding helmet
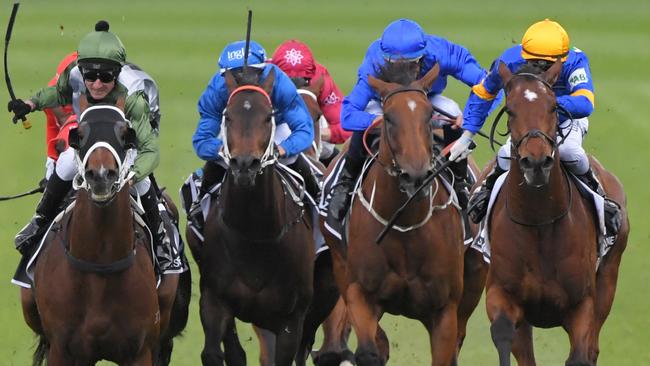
233	55
403	39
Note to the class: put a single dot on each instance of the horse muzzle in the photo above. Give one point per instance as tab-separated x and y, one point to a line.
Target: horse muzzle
536	171
245	170
410	182
102	184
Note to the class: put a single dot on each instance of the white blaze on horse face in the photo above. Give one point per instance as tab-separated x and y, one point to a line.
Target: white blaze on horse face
102	170
247	105
411	103
530	95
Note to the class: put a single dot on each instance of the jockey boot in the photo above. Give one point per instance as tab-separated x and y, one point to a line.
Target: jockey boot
461	182
161	242
212	174
612	209
55	191
342	190
478	203
311	182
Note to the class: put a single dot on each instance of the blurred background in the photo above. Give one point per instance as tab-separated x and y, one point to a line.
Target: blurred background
178	43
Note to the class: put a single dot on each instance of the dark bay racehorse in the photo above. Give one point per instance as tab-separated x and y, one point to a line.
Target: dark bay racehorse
417	270
257	260
94	283
543	235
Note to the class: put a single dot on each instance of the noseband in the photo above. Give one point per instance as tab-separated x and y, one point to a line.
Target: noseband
268	157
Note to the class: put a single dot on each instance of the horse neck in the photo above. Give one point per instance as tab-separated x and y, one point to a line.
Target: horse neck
101	233
260	207
549	200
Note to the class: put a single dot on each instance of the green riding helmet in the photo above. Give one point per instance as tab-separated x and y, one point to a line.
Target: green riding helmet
101	50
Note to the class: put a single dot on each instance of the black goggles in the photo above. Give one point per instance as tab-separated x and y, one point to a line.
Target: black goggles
103	76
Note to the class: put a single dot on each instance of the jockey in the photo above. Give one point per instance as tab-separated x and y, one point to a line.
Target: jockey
543	43
403	41
297	61
290	112
94	80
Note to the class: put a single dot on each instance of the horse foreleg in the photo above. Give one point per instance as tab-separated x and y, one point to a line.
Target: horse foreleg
215	318
336	331
267	346
580	326
443	333
145	358
365	321
56	356
30	311
522	345
474	274
504	316
288	340
234	352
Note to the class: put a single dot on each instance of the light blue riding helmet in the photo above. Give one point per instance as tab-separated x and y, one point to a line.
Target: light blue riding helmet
233	55
403	39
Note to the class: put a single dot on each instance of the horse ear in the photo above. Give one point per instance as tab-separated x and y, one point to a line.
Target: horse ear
231	83
553	72
267	85
504	72
130	139
316	86
73	138
427	80
380	86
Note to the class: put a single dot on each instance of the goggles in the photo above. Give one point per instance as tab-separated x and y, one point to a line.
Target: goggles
103	76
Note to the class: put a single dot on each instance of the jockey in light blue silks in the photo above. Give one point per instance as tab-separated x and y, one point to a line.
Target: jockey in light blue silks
543	43
402	41
290	112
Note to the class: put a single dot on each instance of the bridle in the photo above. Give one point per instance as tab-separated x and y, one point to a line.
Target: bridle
394	170
268	158
533	133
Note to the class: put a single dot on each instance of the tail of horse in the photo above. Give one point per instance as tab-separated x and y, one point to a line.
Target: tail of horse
41	351
178	319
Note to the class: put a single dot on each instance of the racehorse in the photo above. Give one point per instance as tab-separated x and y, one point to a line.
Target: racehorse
94	294
543	234
257	260
417	270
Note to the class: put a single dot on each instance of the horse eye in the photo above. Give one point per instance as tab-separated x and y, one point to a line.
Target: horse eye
269	118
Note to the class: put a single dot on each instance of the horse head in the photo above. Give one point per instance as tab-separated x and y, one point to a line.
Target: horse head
248	125
406	145
104	143
532	119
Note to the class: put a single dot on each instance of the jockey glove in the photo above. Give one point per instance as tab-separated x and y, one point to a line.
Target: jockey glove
19	108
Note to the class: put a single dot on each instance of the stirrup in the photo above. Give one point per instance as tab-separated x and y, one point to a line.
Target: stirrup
612	217
478	204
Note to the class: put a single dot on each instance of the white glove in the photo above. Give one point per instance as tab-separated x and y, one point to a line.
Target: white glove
461	147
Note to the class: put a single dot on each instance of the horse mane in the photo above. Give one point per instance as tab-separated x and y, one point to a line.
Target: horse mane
403	73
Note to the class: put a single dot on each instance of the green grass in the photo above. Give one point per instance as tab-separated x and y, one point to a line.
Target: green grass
179	43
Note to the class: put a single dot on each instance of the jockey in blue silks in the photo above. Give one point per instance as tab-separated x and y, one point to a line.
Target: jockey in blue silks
542	44
289	110
402	41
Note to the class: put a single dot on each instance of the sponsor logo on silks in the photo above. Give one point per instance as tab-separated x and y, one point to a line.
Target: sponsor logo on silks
236	55
332	99
579	76
293	56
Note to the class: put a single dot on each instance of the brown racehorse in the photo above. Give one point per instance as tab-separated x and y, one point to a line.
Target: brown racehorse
94	283
417	270
257	260
543	235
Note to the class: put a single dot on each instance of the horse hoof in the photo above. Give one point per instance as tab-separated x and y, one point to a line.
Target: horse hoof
333	359
368	359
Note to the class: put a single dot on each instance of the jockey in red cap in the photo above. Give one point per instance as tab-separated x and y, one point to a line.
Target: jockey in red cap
297	61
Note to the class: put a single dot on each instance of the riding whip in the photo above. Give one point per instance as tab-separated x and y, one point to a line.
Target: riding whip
248	38
10	26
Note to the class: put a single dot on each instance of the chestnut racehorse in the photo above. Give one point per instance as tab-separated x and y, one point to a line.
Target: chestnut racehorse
543	234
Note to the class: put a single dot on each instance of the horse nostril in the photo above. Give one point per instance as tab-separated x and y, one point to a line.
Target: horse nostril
243	162
89	175
548	162
526	163
405	177
112	175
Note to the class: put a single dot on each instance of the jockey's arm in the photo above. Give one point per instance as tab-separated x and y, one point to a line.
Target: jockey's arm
294	112
206	141
54	96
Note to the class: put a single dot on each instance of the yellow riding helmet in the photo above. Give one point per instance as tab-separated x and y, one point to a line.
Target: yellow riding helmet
545	40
